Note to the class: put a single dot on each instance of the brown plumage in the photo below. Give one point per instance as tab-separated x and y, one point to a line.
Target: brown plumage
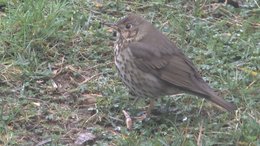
151	66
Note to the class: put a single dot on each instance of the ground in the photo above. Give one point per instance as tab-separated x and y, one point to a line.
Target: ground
59	86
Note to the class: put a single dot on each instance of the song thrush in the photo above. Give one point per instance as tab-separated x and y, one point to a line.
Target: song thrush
150	65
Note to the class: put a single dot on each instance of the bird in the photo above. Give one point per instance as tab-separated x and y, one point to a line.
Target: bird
152	66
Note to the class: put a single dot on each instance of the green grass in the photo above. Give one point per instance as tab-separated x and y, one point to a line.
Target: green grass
57	77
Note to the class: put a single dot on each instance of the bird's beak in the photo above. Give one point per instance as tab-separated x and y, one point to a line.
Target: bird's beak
111	25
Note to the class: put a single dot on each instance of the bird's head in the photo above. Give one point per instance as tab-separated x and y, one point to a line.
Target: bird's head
131	28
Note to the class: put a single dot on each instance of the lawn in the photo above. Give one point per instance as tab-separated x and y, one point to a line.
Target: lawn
59	86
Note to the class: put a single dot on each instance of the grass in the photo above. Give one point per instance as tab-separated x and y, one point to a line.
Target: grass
57	78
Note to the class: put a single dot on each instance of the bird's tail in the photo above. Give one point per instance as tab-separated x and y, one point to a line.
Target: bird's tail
208	93
221	102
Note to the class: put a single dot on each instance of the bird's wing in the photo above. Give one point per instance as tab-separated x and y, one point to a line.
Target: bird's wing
174	68
170	65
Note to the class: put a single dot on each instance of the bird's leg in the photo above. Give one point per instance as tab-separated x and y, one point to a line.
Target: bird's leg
148	111
135	100
150	107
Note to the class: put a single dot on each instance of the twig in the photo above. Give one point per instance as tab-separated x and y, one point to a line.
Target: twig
44	142
86	80
98	65
199	140
256	3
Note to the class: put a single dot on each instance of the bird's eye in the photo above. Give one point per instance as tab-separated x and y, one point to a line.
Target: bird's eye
128	26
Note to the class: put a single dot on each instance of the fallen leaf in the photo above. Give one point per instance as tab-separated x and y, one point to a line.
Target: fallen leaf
85	137
128	120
